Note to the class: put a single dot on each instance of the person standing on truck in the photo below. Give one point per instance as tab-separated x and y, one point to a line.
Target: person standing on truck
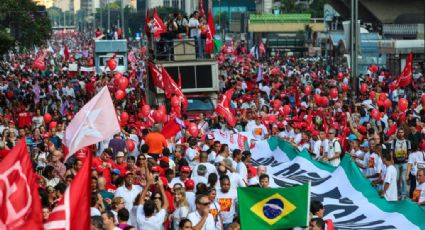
182	25
195	33
156	142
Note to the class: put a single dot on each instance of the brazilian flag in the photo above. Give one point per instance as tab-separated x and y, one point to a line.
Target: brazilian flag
274	208
217	45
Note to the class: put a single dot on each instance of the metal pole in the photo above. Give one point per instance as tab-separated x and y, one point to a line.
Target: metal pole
109	17
122	19
354	46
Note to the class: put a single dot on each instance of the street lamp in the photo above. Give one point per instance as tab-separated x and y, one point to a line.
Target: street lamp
354	46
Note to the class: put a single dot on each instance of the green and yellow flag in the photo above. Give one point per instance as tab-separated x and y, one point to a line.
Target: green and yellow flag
274	208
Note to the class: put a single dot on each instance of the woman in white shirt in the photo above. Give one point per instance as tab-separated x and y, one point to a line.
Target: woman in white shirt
182	207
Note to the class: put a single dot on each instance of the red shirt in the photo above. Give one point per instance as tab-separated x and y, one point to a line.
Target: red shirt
104	171
24	119
122	167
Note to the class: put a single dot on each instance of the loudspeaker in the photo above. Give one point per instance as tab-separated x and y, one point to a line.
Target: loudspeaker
184	50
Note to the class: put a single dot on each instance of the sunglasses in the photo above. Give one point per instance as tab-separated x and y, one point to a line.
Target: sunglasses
142	158
205	204
157	198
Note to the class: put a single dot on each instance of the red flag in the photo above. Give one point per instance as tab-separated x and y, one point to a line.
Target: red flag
19	199
201	8
73	210
223	108
158	24
170	129
39	62
170	86
65	52
148	14
405	77
156	75
209	43
211	23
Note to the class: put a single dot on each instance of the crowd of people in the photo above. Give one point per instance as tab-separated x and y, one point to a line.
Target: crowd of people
190	182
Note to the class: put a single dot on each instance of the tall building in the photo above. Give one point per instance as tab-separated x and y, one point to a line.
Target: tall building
46	3
65	5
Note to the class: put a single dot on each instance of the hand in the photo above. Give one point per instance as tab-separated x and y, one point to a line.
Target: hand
108	201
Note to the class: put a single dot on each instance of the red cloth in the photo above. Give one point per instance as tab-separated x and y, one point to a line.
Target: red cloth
21	207
104	171
122	167
24	119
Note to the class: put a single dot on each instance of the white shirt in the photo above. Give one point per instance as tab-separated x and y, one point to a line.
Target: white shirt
195	218
228	202
94	212
210	169
242	170
154	222
194	32
316	148
179	214
176	180
419	193
190	197
373	165
258	131
414	159
190	155
391	179
37	121
236	180
128	195
214	209
334	147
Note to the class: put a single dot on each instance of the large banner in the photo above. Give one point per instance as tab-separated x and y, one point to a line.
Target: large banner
349	199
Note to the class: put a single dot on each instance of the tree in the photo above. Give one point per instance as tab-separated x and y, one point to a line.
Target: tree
288	6
25	22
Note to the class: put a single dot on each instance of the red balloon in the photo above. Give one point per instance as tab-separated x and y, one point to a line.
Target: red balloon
376	114
112	64
193	129
403	104
118	75
388	103
276	104
372	94
340	75
381	103
158	116
122	83
345	88
175	102
423	100
53	125
286	109
363	88
124	117
130	145
307	90
146	109
162	109
382	96
333	93
324	101
9	94
119	95
272	118
47	118
316	98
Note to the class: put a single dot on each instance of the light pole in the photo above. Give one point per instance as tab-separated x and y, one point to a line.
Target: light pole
109	17
122	18
354	46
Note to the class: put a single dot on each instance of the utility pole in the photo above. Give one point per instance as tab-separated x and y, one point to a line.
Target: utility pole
354	46
109	18
122	19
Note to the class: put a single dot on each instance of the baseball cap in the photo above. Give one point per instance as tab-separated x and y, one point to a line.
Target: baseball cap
352	137
365	144
155	168
185	169
116	172
120	154
189	184
165	159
